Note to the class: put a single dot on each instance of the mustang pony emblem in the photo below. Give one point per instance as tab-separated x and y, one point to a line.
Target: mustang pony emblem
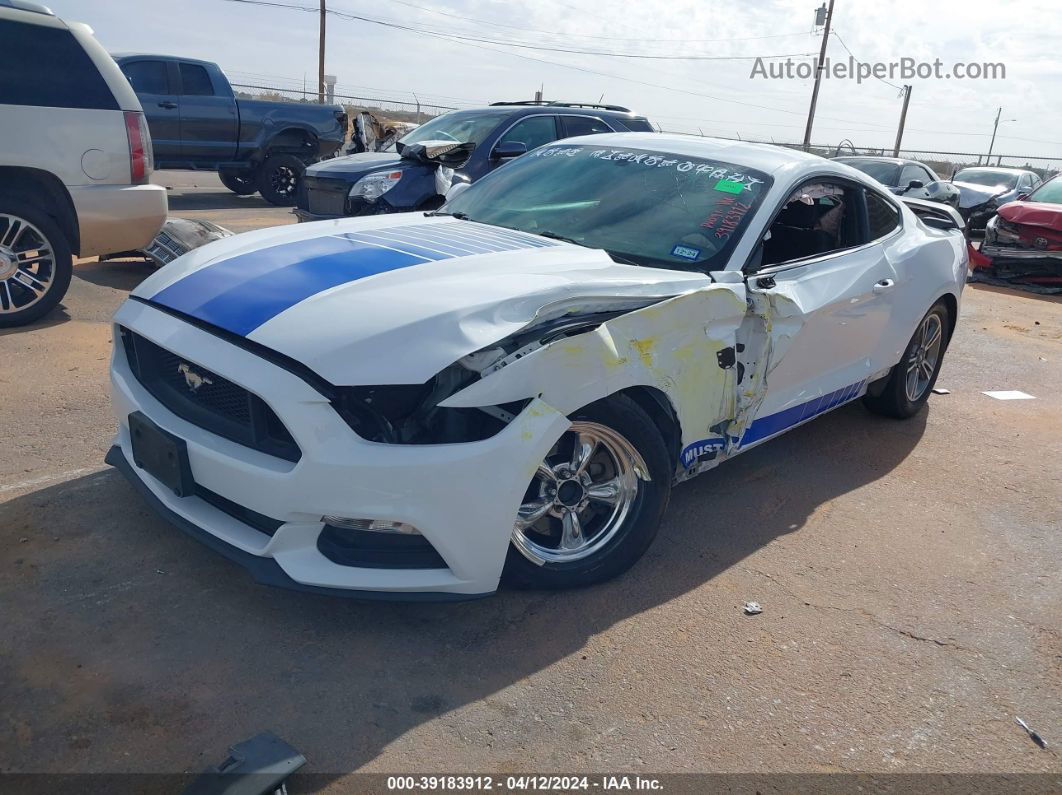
191	378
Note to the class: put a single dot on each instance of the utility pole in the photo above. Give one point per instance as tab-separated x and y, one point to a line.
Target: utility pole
903	120
988	160
818	78
320	58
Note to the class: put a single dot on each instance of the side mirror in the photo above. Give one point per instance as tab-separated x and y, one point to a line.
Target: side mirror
507	150
915	184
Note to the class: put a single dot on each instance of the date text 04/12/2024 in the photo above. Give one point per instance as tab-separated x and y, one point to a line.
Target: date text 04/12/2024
520	783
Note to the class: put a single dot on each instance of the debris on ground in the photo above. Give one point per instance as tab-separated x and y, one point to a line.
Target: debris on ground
1036	738
752	608
1009	394
258	765
939	390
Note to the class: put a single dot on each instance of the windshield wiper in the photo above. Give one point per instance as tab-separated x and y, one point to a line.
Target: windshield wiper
555	236
621	258
458	216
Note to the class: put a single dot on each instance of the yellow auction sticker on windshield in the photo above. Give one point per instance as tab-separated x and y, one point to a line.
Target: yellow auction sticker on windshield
729	186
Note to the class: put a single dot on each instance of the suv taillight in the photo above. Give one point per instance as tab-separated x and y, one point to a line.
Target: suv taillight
140	159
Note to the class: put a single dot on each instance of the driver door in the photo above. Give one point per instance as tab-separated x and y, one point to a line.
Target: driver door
823	297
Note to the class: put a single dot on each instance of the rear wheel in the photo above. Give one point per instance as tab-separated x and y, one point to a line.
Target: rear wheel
595	502
278	179
240	183
908	385
35	262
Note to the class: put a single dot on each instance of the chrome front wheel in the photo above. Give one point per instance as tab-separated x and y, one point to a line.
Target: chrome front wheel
580	496
35	262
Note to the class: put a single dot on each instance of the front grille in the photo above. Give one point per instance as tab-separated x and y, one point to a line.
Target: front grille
326	196
206	399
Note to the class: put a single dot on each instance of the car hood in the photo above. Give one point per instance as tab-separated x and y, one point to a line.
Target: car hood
395	299
359	165
971	195
1042	214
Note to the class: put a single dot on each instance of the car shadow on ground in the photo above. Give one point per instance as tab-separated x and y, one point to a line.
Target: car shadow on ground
207	199
56	317
140	649
123	274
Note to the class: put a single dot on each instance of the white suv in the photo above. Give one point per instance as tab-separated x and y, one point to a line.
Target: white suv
75	157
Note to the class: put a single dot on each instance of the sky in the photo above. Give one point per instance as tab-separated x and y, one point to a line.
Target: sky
708	94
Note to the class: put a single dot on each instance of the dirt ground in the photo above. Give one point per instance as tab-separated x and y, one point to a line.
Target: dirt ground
908	571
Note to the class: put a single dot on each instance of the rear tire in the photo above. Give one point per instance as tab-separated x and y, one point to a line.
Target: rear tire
620	510
908	385
241	183
35	262
278	179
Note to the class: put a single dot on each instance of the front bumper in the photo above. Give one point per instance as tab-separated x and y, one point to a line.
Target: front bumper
462	497
115	218
1024	254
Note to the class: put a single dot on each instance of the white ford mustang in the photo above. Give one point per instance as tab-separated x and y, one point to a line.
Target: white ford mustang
420	405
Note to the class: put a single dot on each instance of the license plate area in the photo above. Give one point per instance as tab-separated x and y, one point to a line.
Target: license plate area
161	454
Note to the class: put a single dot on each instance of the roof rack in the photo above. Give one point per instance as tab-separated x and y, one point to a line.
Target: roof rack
558	103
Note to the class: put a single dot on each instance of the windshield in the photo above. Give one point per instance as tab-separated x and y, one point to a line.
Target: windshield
1050	192
883	172
463	126
987	177
643	207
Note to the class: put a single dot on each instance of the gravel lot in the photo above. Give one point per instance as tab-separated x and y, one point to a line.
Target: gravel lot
909	574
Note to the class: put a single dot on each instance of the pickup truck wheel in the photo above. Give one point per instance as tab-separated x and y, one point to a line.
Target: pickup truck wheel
278	179
595	502
35	262
242	184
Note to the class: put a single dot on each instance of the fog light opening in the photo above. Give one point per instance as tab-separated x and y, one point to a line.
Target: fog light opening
371	525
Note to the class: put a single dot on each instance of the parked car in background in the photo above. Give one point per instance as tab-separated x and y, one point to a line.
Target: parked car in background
983	190
1024	238
388	182
75	156
907	178
419	404
197	122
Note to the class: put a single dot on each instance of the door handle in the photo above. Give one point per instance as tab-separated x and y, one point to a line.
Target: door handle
168	105
883	285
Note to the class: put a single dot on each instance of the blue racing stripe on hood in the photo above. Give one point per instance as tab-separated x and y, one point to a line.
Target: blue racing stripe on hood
243	292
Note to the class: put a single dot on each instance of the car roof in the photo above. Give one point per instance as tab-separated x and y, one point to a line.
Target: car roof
125	56
1006	169
25	5
572	109
875	158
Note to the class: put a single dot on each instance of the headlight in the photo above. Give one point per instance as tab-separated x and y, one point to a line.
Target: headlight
373	186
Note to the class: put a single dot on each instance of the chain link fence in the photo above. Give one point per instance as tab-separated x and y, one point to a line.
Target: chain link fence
391	109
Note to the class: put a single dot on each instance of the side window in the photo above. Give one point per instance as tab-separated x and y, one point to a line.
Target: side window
638	125
882	216
818	217
911	172
532	131
195	81
148	77
583	125
47	67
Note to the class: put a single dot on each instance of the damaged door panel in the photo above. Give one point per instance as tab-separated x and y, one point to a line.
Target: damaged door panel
684	346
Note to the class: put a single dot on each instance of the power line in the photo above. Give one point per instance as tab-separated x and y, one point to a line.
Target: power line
589	35
886	82
522	45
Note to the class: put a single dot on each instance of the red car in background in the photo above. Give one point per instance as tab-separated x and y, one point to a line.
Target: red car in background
1024	239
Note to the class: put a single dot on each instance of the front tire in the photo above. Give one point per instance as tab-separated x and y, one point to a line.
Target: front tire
35	262
240	183
595	504
278	179
909	383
